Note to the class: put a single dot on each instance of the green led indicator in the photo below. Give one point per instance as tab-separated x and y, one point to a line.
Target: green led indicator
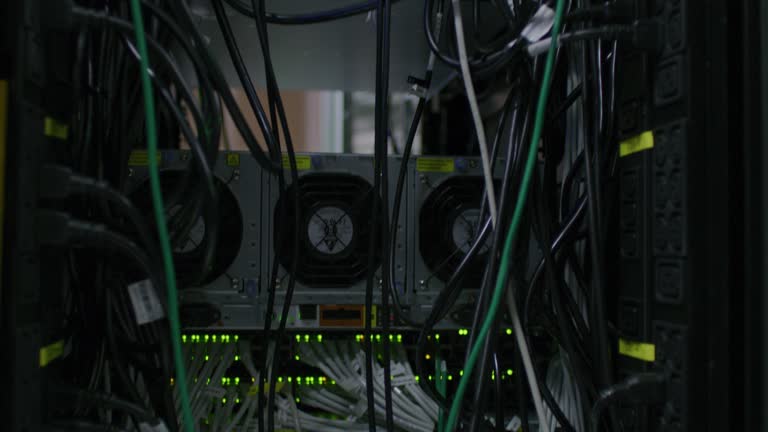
290	379
306	338
416	378
509	331
298	400
207	358
399	338
378	338
237	338
450	377
214	338
237	401
430	377
509	372
184	338
437	336
461	372
223	400
237	381
279	379
319	338
298	338
296	357
237	358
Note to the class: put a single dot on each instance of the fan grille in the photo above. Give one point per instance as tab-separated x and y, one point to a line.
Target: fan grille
335	230
448	226
190	247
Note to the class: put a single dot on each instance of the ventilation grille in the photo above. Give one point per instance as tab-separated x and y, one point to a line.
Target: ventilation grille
334	233
448	225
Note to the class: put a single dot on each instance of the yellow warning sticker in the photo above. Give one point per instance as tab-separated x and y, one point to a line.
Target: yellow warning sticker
233	159
641	142
141	158
440	165
639	350
55	129
303	162
51	352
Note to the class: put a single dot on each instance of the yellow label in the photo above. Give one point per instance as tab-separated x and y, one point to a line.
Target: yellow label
233	159
254	389
55	129
141	158
440	165
641	142
51	352
303	162
639	350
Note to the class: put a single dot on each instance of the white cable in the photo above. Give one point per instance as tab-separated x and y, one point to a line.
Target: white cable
318	400
472	97
526	355
240	414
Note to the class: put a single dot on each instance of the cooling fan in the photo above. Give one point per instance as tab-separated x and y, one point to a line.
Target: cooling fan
334	233
447	196
449	221
190	238
227	296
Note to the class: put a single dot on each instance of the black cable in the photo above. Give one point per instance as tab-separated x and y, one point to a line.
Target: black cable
483	64
512	173
641	388
201	157
642	34
566	230
522	392
600	347
105	400
384	14
278	104
553	282
512	164
307	18
220	83
499	394
209	190
275	153
400	313
242	72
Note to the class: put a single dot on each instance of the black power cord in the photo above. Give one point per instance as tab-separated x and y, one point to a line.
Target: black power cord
278	110
384	13
307	18
638	389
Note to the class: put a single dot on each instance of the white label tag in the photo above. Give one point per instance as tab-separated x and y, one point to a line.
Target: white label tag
146	304
539	25
515	424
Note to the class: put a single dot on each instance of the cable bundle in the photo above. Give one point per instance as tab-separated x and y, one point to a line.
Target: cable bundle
342	361
554	137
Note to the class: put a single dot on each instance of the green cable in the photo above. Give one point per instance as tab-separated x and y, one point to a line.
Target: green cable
162	229
517	216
